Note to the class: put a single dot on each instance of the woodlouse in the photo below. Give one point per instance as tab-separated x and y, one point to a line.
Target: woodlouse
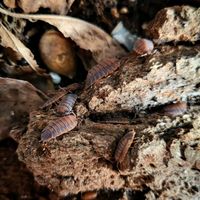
175	109
60	94
58	127
123	146
90	195
66	105
143	46
101	70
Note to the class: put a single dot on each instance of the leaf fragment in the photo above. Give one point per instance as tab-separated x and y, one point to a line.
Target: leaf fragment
87	36
8	39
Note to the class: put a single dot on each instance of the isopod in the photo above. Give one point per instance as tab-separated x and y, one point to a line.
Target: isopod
62	92
175	109
58	127
71	87
101	70
90	195
143	46
66	105
53	100
123	146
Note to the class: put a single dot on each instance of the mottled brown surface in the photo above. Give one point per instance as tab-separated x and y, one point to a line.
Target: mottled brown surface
168	75
178	23
164	155
163	159
77	164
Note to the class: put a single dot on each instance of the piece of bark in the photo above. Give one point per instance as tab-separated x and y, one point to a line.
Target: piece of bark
16	181
178	23
17	99
164	155
83	159
169	75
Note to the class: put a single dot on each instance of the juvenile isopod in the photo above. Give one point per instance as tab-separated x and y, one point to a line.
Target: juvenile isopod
123	146
58	127
143	46
101	70
175	109
66	105
62	92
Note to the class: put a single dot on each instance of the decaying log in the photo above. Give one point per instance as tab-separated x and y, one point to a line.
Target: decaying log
178	23
157	96
165	154
170	74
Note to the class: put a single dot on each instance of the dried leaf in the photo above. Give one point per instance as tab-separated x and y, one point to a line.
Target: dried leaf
60	7
17	99
9	40
87	36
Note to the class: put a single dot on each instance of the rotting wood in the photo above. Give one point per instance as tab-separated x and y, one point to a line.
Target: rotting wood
83	159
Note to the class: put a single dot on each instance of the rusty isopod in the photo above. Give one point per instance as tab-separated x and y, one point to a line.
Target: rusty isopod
58	127
66	105
175	109
101	70
123	146
143	46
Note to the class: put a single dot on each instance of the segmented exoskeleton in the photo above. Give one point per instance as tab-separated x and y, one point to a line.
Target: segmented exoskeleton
175	109
123	146
101	70
143	46
66	104
58	127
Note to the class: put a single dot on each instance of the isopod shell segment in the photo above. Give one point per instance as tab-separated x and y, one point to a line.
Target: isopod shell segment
66	105
62	92
123	146
101	70
175	109
58	127
143	46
